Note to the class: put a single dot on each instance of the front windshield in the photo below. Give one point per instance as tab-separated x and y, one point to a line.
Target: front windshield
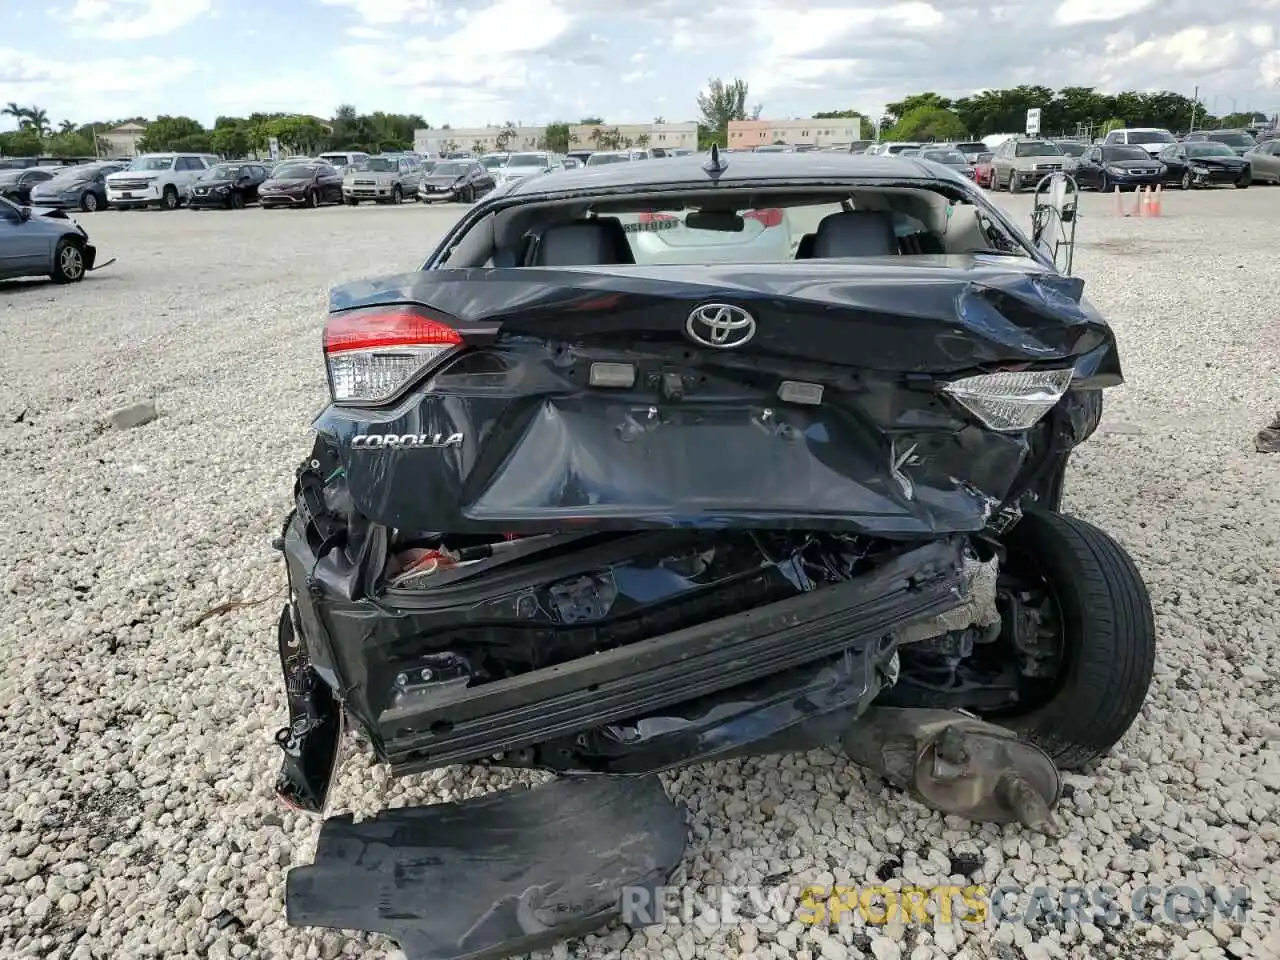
596	159
1233	139
152	163
1124	153
1037	148
222	171
528	160
1209	150
450	168
85	171
293	171
901	147
492	163
1072	149
335	159
952	157
974	147
1151	136
381	165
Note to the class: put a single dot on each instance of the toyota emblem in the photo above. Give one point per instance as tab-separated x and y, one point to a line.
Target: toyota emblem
720	325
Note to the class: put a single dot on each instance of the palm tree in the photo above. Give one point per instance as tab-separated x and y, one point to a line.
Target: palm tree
66	126
39	119
596	136
18	113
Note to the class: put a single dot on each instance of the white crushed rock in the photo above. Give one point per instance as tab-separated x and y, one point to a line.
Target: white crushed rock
136	761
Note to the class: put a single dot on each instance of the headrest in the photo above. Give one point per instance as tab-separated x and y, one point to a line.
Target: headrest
583	243
859	233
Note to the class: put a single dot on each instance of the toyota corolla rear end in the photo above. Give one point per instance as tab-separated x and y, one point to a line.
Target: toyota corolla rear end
614	521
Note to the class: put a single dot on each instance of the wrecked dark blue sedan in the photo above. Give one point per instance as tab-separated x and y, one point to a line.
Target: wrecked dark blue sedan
615	484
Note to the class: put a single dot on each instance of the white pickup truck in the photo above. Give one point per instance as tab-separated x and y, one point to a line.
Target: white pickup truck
157	180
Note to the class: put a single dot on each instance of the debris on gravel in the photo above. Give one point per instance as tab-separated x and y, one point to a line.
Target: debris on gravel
134	415
136	811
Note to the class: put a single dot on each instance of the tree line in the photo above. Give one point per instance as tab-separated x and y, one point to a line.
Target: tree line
228	137
921	116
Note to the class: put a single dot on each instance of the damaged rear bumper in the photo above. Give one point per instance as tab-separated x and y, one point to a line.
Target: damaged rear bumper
780	676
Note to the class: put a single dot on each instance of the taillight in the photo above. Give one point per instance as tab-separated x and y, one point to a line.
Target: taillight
1013	400
372	354
769	217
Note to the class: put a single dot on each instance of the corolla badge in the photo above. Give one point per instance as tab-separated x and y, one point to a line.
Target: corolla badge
396	441
720	325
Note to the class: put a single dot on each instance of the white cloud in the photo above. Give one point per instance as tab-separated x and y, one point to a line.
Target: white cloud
120	86
133	19
394	11
368	33
1072	12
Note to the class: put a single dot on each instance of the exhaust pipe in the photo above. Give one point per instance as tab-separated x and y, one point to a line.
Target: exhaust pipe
957	764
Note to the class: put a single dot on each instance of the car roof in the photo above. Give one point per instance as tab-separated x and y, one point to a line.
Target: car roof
740	168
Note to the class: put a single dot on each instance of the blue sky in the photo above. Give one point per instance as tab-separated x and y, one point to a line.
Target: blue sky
531	61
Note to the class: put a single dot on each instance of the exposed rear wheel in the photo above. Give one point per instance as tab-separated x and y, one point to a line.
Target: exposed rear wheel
89	202
170	200
1092	597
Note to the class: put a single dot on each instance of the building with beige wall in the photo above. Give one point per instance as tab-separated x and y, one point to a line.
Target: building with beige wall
670	136
478	139
122	141
748	134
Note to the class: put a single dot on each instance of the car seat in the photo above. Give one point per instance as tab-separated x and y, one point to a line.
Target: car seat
580	243
856	233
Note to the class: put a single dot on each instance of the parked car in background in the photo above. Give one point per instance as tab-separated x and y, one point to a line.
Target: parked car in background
910	152
1105	168
1264	161
382	179
81	187
304	183
228	186
1151	139
1241	141
1072	151
462	180
340	160
48	243
856	146
601	157
157	179
983	170
492	161
892	147
521	165
571	163
1203	164
1022	163
953	159
580	155
16	185
970	148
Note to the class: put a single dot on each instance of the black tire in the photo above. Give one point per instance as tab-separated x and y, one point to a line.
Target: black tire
1243	182
397	195
1013	181
68	261
1104	184
1185	182
311	200
1108	631
352	202
170	199
237	201
89	202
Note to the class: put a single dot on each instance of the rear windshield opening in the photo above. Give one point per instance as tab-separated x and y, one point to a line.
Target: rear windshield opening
737	226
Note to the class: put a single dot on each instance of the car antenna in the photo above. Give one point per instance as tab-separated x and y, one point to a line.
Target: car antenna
715	164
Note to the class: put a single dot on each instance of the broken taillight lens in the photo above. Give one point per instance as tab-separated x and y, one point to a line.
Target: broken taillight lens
1012	401
373	354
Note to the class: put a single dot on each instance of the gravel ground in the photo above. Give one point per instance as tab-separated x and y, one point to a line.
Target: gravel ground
136	814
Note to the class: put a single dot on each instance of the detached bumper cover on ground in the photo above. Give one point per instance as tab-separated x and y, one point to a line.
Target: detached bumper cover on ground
500	875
